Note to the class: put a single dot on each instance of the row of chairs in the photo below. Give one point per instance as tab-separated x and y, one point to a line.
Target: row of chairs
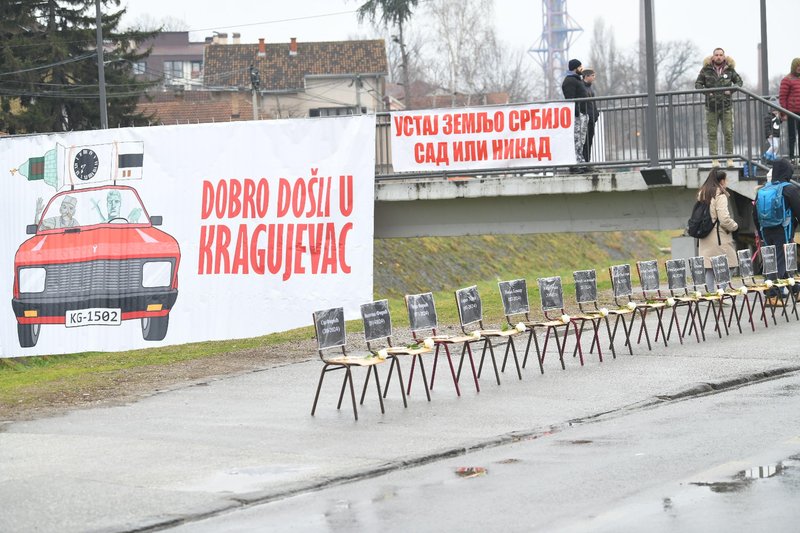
685	281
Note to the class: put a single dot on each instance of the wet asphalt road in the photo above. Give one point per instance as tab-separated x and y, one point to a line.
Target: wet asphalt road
720	462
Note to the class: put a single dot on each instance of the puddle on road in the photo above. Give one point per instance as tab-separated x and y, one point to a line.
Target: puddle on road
743	478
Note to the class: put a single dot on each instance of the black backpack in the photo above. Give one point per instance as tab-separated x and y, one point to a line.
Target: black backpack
700	223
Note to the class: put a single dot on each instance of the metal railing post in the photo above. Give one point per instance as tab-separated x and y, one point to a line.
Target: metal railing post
651	116
671	128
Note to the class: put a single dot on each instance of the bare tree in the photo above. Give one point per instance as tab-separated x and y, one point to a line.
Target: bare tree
147	22
676	63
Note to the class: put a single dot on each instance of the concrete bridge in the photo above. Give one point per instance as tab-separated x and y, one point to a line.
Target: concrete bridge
509	204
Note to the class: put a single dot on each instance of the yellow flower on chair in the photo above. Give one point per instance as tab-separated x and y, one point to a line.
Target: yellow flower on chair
428	343
603	312
631	305
520	327
565	318
670	302
768	283
743	290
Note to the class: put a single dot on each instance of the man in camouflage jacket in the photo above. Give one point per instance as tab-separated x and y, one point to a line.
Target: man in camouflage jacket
718	73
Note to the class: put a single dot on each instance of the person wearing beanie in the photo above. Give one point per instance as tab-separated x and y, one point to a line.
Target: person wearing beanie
574	88
718	72
782	171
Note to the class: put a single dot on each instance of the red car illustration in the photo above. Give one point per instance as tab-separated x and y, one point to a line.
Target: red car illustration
96	258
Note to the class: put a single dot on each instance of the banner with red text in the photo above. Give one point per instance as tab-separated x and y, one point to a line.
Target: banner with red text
528	135
139	237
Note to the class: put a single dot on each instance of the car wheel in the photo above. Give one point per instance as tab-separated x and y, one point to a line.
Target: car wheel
28	334
155	328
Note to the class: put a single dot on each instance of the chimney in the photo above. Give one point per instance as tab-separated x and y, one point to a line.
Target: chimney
237	38
293	47
262	48
209	40
223	38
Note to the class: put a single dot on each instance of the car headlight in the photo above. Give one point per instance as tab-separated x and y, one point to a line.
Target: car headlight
32	279
156	274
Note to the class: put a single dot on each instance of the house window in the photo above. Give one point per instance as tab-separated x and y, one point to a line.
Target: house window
197	69
335	111
173	70
139	68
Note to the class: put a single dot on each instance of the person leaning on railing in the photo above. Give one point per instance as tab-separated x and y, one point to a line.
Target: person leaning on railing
718	72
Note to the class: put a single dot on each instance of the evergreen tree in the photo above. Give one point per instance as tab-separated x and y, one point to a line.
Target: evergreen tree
48	66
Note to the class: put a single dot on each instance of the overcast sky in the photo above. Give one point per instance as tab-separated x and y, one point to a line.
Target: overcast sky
733	24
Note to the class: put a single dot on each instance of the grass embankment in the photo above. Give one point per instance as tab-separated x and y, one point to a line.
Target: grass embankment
402	266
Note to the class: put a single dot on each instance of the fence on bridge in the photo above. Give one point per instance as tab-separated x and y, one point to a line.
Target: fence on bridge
621	133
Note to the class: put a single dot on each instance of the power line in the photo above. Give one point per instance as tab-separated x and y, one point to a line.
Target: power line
62	62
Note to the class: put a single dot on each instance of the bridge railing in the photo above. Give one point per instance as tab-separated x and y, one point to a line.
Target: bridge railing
621	133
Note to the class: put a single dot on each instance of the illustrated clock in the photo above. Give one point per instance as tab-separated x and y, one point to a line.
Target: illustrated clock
85	164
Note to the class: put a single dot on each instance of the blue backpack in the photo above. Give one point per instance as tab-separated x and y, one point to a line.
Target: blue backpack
772	210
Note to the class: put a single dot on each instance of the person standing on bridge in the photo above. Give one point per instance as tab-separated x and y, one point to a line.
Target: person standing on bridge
574	88
789	97
591	111
718	72
720	241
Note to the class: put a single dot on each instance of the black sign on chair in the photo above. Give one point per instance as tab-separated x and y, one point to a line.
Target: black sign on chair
514	294
722	273
585	286
329	325
469	305
676	274
551	293
769	260
377	322
745	264
421	311
790	252
697	269
621	280
648	275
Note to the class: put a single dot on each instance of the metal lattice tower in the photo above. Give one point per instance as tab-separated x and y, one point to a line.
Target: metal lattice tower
552	50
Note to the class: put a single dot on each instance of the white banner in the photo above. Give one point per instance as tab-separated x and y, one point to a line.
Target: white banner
138	237
530	135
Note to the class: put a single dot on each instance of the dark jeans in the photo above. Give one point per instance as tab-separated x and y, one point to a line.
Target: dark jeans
587	147
794	132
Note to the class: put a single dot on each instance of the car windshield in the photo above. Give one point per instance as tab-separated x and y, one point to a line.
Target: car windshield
81	208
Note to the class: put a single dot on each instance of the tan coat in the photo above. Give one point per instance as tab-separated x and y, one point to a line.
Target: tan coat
708	245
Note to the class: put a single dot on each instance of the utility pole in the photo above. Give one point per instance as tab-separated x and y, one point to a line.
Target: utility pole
651	128
101	72
763	50
255	82
357	83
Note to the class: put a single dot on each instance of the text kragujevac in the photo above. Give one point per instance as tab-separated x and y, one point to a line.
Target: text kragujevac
291	247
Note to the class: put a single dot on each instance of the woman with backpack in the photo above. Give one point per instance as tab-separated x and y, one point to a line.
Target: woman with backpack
714	192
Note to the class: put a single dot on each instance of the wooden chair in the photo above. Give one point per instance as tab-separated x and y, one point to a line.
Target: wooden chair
722	281
470	313
752	287
678	290
377	323
650	283
790	254
423	319
514	295
713	302
330	332
622	292
586	295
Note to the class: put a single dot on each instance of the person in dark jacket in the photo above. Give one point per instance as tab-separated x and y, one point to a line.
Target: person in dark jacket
789	97
573	88
591	111
718	72
782	171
